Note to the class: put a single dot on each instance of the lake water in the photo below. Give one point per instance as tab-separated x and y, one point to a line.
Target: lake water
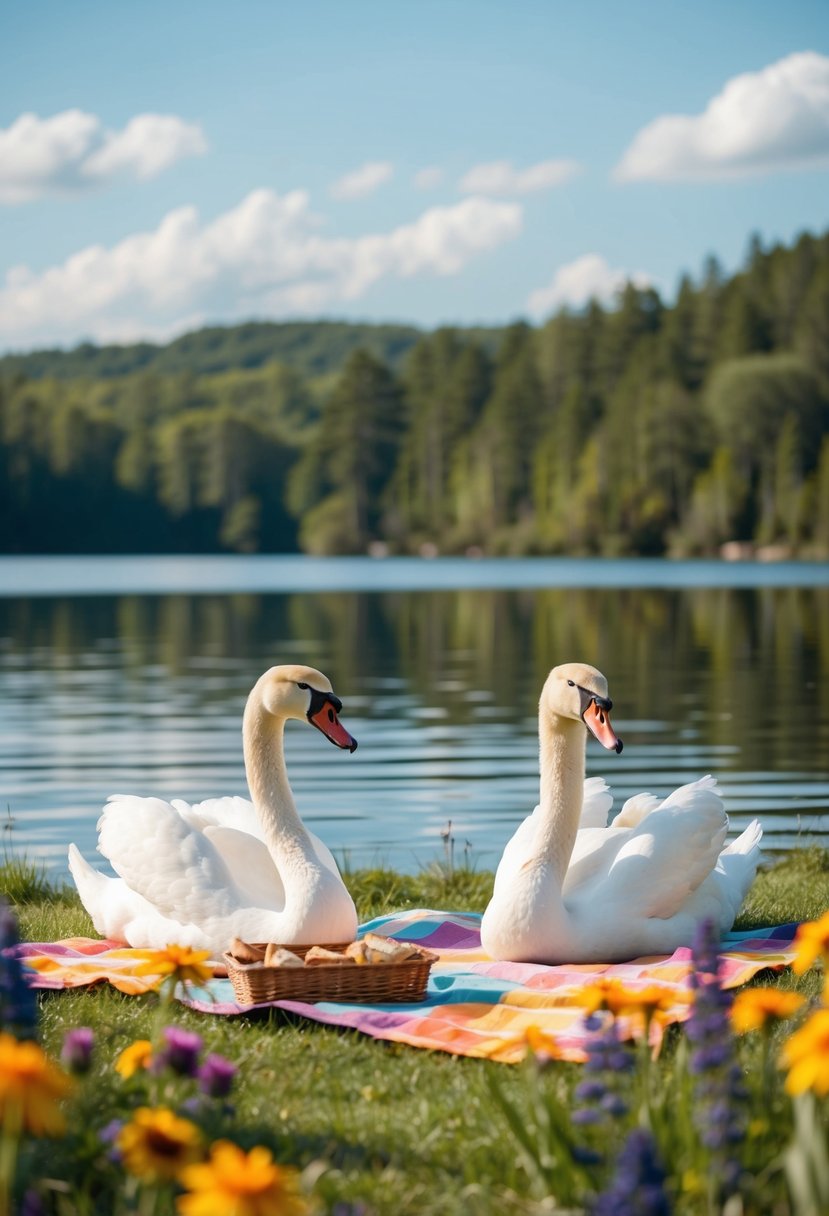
129	675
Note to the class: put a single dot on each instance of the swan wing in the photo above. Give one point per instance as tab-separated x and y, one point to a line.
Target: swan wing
163	858
594	851
719	897
250	865
635	809
668	855
122	915
231	812
214	815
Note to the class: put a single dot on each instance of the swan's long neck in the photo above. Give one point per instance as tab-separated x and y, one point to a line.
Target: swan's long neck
563	743
283	830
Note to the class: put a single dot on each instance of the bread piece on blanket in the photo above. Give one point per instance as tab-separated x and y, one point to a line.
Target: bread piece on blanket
278	956
318	954
385	950
244	952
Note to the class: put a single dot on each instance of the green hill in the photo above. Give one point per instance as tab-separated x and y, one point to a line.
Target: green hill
311	348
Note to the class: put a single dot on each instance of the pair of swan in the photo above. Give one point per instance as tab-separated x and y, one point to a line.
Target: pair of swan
567	889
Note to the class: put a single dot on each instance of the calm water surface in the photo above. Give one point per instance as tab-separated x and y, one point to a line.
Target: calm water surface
130	676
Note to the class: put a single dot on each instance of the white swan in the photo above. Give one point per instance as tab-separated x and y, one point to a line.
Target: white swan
609	894
202	875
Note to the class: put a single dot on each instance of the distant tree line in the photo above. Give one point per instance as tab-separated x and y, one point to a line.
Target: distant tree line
637	429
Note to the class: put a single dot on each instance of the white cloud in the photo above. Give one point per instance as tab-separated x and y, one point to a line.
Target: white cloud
363	181
265	257
575	284
428	178
498	177
72	152
761	122
148	145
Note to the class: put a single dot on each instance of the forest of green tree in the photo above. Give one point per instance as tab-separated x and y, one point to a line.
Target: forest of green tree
641	428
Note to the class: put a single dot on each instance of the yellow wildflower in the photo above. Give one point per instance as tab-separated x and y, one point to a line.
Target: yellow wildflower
759	1008
235	1183
156	1144
601	994
542	1044
811	941
179	962
134	1058
30	1088
806	1055
616	998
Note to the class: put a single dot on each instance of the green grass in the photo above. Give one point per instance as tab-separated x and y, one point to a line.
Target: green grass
403	1131
796	887
25	882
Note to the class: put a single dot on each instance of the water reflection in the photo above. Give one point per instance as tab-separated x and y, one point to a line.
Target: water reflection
144	694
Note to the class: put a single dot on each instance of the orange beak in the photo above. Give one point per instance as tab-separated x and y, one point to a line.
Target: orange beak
326	720
597	721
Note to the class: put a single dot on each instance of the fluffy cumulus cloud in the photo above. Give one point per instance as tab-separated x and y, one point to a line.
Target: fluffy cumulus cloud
363	181
499	177
73	151
574	285
761	122
267	256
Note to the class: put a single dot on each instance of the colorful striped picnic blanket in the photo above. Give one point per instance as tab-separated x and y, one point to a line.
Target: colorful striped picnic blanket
473	1006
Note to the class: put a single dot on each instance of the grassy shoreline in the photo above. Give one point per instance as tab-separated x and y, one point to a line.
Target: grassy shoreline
399	1130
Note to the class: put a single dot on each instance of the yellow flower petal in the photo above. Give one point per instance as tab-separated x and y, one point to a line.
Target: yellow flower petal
30	1088
188	966
245	1184
540	1042
811	942
157	1144
134	1058
806	1055
755	1008
617	998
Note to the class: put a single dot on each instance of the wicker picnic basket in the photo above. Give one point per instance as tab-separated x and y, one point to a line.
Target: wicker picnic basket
370	984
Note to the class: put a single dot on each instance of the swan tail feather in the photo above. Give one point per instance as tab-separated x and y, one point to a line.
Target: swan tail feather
737	867
748	841
94	889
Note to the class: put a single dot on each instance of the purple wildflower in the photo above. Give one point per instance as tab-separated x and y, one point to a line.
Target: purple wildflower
606	1051
32	1204
613	1105
216	1076
598	1102
18	1004
108	1135
590	1091
638	1184
181	1052
76	1052
719	1092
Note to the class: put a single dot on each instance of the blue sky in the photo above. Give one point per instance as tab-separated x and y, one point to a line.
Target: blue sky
165	166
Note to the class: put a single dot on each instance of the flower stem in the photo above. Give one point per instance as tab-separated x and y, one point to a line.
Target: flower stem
9	1144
